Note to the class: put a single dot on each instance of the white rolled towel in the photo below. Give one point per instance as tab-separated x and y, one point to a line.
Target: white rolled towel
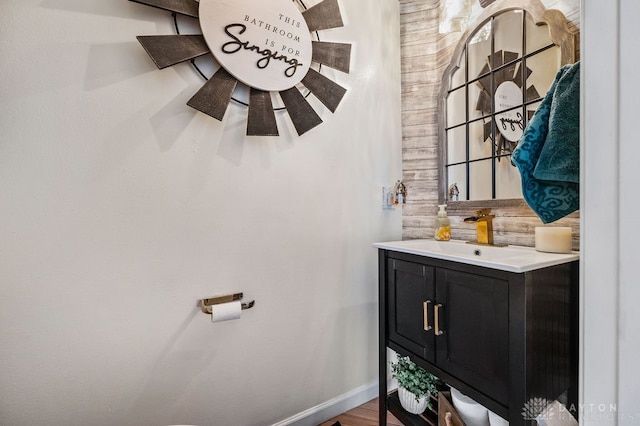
471	412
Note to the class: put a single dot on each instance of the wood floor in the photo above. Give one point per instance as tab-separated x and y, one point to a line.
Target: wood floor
364	415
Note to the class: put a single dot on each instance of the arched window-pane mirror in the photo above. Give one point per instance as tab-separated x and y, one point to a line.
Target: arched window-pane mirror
499	73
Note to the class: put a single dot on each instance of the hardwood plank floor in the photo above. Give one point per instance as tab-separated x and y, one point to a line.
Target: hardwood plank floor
364	415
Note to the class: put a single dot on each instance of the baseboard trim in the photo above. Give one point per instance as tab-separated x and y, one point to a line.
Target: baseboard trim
332	408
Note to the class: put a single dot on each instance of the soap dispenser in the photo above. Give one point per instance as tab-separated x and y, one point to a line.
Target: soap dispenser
443	225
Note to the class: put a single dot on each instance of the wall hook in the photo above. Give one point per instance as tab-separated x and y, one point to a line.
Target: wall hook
400	191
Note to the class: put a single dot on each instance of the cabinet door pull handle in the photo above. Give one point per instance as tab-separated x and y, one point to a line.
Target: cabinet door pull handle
425	312
436	315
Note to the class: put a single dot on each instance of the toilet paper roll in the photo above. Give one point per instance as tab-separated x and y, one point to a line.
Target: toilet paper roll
226	311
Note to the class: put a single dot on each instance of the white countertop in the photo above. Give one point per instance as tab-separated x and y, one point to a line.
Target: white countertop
508	258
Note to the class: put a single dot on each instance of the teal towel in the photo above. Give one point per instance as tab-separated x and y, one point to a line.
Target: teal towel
549	199
560	156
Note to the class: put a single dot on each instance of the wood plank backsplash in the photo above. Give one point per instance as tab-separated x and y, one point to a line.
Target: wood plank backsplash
425	55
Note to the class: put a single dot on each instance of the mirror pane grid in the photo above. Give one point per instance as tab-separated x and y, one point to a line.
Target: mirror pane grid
501	73
480	180
508	30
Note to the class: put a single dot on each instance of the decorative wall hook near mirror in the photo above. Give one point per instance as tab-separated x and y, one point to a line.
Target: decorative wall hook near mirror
393	197
498	75
256	53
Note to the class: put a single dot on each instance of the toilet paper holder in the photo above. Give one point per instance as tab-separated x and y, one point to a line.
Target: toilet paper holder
206	304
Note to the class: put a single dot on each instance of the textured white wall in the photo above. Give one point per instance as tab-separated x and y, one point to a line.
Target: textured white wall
121	206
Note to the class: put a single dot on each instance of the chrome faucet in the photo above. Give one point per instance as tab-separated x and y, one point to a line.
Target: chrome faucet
484	223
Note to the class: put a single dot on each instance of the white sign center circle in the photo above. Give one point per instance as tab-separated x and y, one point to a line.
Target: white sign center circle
265	44
509	123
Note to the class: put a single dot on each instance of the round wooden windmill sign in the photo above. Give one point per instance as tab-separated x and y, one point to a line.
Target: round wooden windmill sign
266	45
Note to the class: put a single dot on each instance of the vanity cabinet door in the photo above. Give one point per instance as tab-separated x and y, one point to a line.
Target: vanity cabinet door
473	318
411	291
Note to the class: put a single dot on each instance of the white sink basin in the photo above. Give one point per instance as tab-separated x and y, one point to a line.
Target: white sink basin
509	258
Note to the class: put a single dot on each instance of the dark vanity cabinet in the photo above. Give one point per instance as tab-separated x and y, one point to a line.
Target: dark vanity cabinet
502	338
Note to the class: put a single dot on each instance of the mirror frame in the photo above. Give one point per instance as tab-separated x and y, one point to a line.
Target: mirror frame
561	34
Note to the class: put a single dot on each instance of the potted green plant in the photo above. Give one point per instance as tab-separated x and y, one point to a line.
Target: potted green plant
415	384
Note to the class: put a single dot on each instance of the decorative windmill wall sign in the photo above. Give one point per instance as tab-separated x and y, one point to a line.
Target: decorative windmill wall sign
266	45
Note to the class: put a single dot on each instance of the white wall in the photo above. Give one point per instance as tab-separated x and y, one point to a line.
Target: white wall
611	229
629	315
121	206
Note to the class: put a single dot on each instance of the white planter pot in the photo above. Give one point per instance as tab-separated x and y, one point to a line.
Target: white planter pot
409	403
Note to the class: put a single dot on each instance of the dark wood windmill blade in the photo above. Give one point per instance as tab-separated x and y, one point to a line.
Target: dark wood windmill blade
489	62
334	55
487	130
484	102
496	59
167	50
213	98
323	16
532	93
509	71
518	76
509	74
500	77
510	56
497	145
261	118
183	7
485	69
485	82
503	146
327	91
302	115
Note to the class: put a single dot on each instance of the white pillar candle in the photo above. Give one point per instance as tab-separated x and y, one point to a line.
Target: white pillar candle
553	239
